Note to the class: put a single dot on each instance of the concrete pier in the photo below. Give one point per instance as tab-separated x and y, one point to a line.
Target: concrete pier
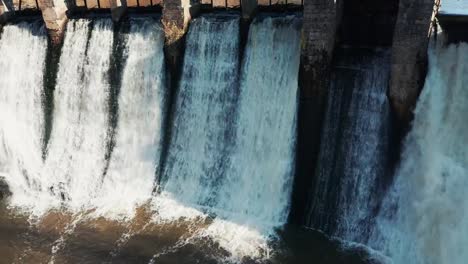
321	19
6	11
54	15
409	55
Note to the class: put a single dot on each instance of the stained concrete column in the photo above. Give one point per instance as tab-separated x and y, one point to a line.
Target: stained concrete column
175	19
54	15
6	11
249	7
118	9
321	19
409	55
320	23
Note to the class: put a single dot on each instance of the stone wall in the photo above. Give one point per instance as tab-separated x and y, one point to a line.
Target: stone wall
320	23
54	15
409	56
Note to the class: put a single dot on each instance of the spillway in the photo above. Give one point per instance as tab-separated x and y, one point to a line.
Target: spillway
258	182
423	219
134	161
23	49
74	166
231	131
231	155
201	141
354	152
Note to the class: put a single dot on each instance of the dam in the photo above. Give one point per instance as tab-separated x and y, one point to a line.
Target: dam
232	131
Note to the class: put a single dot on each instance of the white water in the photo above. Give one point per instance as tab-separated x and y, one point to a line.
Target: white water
258	183
254	196
232	152
22	61
425	218
135	158
200	141
74	165
354	149
232	147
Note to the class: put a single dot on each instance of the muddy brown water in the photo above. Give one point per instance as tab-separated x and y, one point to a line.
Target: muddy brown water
60	237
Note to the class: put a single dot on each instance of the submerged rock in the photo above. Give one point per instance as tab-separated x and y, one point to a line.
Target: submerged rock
4	189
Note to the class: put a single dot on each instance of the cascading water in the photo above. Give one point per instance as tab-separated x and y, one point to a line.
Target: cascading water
258	182
22	61
230	158
254	195
74	165
354	155
134	161
232	151
202	134
424	218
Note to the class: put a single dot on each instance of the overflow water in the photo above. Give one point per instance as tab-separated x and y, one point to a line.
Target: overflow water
231	155
354	153
23	49
200	144
74	165
224	193
258	182
134	161
424	218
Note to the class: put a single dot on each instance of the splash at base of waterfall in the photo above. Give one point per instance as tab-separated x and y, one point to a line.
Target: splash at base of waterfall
423	219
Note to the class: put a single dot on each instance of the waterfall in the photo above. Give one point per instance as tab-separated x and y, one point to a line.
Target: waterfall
254	196
231	148
258	182
424	218
74	165
353	157
202	134
23	49
231	153
135	158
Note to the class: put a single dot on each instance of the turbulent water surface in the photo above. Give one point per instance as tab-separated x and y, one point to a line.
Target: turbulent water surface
424	217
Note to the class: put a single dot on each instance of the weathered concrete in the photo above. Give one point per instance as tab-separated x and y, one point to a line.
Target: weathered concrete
179	12
118	9
321	20
409	55
6	11
175	19
54	15
249	8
